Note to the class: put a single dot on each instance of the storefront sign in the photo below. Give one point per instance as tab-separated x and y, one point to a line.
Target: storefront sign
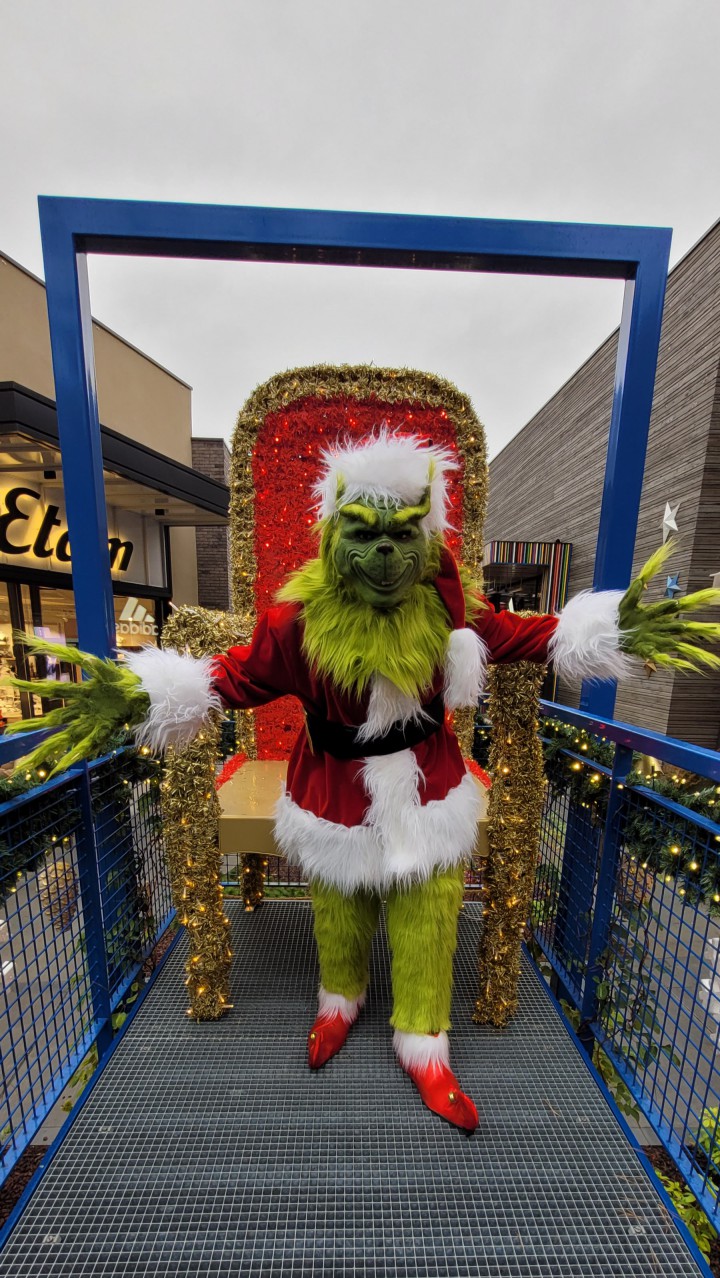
135	621
33	534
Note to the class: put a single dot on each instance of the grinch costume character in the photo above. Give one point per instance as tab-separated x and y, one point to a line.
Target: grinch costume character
380	638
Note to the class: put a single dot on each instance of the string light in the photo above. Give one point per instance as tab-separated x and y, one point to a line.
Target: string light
510	872
190	815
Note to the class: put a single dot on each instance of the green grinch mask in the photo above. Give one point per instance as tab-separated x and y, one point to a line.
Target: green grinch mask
380	552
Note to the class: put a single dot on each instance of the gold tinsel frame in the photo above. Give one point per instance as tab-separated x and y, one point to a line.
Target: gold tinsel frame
514	814
361	382
190	804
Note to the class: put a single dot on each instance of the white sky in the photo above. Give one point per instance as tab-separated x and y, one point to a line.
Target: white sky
558	109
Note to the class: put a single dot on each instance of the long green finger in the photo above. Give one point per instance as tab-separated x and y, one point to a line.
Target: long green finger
701	655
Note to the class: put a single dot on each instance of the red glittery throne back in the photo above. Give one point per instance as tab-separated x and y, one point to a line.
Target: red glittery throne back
277	447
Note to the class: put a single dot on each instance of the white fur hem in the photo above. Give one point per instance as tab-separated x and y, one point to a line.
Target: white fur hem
417	1051
465	668
586	643
181	697
331	1004
400	840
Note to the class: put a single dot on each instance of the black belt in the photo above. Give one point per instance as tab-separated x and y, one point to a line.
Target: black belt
340	740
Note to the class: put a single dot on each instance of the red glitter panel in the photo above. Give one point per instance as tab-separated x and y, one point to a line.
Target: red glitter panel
479	772
286	465
230	767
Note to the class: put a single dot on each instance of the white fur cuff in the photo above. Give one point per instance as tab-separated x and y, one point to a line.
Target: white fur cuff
420	1050
586	643
465	668
332	1004
181	696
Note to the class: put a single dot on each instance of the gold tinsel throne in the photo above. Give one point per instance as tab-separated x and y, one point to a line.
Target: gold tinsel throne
278	440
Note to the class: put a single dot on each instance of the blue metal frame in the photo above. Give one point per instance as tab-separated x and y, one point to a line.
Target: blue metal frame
71	228
649	947
680	754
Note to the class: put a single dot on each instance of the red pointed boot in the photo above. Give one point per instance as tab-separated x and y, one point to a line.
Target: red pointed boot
425	1057
336	1017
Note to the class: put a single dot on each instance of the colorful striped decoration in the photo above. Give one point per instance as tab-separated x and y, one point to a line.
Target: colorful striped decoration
554	555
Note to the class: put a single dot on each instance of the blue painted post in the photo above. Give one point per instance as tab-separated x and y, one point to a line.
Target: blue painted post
68	300
610	854
638	343
93	923
575	898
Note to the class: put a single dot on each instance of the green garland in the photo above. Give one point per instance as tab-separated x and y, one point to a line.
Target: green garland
29	834
666	849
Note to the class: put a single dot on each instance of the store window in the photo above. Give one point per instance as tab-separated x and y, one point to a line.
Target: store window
50	614
137	622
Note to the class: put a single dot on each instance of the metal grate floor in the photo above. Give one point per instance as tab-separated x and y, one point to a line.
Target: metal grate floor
213	1150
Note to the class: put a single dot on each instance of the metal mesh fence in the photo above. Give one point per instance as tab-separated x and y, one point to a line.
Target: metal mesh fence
278	874
570	839
627	910
658	991
82	906
133	878
45	1012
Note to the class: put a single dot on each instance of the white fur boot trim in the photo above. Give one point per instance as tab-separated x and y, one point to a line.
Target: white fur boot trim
586	643
417	1051
465	668
181	696
331	1004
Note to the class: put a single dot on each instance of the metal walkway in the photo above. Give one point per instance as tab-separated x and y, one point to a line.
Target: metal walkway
213	1150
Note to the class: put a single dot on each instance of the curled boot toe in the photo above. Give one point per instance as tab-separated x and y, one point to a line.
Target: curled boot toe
326	1038
440	1091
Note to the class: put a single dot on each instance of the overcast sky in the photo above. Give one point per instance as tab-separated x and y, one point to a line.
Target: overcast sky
552	109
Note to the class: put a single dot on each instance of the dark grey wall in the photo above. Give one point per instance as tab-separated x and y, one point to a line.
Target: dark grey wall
212	458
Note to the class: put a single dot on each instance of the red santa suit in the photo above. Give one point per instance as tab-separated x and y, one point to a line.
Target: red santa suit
380	818
377	791
378	795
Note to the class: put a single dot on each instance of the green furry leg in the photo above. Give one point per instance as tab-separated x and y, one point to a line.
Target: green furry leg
422	930
344	929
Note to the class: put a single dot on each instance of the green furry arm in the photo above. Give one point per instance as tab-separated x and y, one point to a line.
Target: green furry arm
95	709
658	633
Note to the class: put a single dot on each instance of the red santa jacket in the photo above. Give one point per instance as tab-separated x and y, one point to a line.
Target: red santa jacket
273	665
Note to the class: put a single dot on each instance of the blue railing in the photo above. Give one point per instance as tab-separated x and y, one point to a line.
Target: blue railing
84	898
627	913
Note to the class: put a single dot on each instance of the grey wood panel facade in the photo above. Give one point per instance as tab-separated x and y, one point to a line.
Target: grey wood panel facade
547	483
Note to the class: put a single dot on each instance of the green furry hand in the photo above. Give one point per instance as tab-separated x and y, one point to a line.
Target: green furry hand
658	633
95	711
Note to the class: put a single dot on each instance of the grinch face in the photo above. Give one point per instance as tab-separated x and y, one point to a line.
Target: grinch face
380	552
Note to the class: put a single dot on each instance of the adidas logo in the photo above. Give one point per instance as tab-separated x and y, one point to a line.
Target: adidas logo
136	620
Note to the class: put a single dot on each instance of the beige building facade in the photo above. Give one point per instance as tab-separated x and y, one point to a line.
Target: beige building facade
156	499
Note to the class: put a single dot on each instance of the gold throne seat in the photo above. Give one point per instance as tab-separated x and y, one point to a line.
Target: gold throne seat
247	805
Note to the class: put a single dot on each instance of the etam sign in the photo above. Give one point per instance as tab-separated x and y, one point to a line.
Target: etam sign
33	533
